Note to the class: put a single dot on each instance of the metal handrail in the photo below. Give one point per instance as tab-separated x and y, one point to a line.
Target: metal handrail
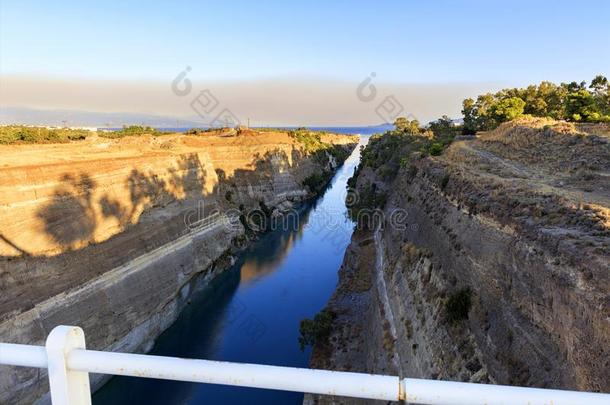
68	363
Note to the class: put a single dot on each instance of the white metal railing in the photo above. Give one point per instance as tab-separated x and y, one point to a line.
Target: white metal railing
69	364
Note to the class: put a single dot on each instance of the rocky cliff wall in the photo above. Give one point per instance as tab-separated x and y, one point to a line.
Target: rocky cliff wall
114	235
500	273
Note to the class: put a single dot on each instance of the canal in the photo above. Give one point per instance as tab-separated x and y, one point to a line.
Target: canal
251	313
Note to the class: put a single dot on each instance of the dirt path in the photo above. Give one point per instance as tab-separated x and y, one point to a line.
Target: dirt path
542	182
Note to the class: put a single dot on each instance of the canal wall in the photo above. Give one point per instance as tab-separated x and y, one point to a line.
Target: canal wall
114	235
499	273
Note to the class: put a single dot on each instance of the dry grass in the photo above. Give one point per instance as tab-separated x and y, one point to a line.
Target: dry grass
549	145
601	129
527	131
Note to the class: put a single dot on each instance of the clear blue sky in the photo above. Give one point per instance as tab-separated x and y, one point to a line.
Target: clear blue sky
517	42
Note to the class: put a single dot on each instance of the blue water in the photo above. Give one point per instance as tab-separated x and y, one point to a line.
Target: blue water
251	313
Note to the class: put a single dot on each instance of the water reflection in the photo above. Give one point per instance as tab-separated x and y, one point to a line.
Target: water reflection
288	233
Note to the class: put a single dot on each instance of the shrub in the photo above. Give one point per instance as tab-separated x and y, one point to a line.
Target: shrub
369	202
202	131
320	157
313	145
339	153
388	172
311	141
12	134
458	305
444	127
316	181
398	148
317	329
436	149
133	130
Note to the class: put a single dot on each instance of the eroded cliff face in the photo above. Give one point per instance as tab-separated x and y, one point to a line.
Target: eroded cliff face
114	235
500	273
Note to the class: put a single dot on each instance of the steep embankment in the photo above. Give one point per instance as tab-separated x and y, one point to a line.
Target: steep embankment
501	271
111	234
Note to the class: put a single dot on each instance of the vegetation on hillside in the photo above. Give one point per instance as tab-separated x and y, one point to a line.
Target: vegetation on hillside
204	131
316	181
132	130
311	141
397	147
317	329
566	101
409	140
322	153
386	153
15	134
458	305
361	209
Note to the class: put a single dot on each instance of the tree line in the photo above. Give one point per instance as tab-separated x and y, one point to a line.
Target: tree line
573	101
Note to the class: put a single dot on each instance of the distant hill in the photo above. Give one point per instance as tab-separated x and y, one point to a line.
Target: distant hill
76	118
30	116
381	127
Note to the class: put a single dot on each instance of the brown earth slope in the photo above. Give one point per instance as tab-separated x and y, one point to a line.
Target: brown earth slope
518	220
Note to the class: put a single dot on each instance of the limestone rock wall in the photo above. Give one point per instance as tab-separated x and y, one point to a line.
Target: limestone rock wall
114	235
528	241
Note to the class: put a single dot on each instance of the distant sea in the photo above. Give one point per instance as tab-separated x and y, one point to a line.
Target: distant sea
355	130
370	130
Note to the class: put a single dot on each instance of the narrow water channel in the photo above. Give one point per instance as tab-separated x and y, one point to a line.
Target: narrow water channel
251	313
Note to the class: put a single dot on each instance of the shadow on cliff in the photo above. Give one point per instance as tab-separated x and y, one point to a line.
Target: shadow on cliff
73	215
261	178
77	209
69	219
77	216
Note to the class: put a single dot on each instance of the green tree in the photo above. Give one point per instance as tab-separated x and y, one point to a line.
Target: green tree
402	124
574	86
554	97
317	329
601	92
571	101
581	105
477	114
599	84
507	109
535	102
470	120
483	108
442	126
